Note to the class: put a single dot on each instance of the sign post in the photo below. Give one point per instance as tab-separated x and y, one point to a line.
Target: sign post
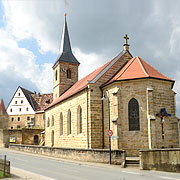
110	133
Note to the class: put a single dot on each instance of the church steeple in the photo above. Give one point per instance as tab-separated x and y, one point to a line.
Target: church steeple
66	66
66	54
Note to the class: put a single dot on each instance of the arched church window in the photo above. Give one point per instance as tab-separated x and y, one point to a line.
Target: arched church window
69	74
61	124
56	75
79	120
69	122
133	113
52	123
48	122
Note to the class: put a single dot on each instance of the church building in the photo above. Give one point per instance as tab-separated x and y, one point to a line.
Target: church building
126	95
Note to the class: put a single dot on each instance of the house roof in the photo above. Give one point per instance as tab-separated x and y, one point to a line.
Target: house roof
28	96
137	68
2	107
41	101
38	102
91	78
66	54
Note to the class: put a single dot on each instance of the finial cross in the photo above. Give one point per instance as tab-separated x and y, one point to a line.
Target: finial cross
126	39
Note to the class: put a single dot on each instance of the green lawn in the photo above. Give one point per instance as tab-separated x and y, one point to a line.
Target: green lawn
2	175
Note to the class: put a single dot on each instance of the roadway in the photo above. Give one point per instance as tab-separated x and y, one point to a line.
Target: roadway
60	169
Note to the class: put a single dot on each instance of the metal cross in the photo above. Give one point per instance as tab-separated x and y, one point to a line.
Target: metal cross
126	39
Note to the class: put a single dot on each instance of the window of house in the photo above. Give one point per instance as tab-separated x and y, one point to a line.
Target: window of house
27	109
79	120
28	118
20	109
18	126
15	102
69	125
12	119
11	127
61	124
48	122
133	114
21	101
19	94
10	110
52	123
43	116
19	118
69	74
56	75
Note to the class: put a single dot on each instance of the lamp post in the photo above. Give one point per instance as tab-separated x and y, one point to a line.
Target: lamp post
106	96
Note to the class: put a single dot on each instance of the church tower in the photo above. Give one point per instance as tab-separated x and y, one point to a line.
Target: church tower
66	66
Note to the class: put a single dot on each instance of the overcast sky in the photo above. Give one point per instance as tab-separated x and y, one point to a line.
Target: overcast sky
30	34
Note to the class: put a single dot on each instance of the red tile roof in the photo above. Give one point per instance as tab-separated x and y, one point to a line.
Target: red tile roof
137	68
2	107
79	85
41	101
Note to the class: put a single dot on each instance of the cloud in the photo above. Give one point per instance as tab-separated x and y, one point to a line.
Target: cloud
18	65
34	19
88	62
97	28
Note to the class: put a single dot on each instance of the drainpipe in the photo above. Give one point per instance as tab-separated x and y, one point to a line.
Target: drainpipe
148	118
87	117
102	120
179	130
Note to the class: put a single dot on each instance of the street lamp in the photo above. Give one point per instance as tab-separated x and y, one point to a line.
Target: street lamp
106	96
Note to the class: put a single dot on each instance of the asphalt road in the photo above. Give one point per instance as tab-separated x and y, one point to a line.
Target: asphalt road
66	170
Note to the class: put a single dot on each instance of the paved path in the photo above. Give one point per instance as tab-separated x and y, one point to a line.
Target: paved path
28	166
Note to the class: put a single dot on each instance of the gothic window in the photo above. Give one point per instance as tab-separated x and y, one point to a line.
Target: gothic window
69	122
133	112
56	75
52	123
79	120
48	122
69	74
19	118
61	124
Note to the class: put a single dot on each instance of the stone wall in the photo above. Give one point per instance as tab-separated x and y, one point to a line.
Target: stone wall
150	103
4	138
39	120
160	159
22	122
25	136
67	140
88	155
25	120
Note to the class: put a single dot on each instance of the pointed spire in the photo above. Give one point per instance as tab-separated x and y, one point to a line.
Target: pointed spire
2	107
66	54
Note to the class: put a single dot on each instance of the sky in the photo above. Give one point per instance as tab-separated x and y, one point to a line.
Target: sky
30	36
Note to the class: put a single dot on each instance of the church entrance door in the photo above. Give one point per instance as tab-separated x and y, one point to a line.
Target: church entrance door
36	139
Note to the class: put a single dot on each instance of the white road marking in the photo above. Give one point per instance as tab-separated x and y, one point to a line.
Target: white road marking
168	178
130	172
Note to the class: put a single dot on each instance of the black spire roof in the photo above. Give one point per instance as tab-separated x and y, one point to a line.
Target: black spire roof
66	54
